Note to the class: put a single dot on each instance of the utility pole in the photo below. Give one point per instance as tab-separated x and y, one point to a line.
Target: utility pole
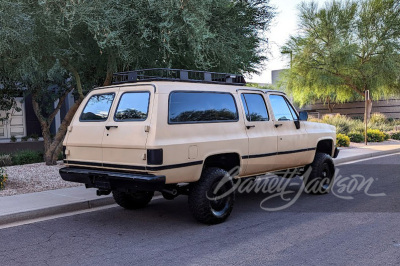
366	116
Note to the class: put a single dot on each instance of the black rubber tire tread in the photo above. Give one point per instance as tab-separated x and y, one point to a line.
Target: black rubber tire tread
199	204
132	201
316	172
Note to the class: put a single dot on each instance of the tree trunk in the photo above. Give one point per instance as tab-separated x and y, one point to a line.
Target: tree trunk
330	105
52	147
111	66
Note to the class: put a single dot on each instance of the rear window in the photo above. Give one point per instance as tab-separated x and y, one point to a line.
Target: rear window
202	107
97	108
133	106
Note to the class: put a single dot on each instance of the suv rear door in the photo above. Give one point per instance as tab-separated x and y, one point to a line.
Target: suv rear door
85	134
261	133
126	131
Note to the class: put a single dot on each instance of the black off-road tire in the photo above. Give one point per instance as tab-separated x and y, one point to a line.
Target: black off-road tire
132	201
203	208
322	174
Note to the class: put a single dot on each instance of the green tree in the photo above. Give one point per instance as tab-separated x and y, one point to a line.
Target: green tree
344	49
53	47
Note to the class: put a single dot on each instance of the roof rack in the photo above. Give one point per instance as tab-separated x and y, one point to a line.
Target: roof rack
169	74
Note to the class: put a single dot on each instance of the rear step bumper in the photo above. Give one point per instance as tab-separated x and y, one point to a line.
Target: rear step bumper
109	180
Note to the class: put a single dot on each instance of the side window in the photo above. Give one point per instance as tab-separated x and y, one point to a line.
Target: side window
133	106
201	107
255	107
294	114
97	108
280	108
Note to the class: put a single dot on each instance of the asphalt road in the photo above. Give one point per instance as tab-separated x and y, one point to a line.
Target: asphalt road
354	225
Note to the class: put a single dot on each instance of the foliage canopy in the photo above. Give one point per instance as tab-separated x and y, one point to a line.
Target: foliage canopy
52	47
344	49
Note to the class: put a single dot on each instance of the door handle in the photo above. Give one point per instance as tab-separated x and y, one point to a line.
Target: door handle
108	127
248	127
278	125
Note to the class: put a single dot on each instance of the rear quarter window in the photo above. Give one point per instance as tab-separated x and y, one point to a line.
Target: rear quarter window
97	108
201	107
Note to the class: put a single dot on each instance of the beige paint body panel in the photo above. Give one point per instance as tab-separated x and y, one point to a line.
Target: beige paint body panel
318	131
186	146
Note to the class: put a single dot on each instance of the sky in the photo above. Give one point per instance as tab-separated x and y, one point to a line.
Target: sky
284	25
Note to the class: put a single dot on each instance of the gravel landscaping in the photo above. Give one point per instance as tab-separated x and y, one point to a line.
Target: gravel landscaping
33	178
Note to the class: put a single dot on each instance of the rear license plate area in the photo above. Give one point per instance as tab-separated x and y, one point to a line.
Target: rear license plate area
101	182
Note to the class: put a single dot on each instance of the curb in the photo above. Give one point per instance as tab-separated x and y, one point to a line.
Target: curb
55	210
365	156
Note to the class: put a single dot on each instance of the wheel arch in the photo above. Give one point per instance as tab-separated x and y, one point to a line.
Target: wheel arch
226	161
325	146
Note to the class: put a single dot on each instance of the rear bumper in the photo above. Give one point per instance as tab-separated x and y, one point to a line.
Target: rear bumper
110	180
336	153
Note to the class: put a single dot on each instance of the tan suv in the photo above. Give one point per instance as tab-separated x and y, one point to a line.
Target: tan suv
182	132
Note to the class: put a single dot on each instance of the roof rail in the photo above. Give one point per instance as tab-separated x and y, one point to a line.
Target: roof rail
169	74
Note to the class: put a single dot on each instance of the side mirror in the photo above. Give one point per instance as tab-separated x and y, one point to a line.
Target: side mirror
303	116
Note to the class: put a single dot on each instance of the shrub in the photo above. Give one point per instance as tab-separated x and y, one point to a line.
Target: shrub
5	160
387	135
375	135
3	178
396	135
342	140
60	156
34	137
356	137
378	119
27	157
13	139
343	124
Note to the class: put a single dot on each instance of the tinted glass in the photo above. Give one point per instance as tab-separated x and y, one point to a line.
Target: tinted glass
133	106
186	107
246	109
256	109
280	108
97	108
294	114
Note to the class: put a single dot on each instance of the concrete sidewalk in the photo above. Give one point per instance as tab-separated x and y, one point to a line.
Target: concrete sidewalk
41	204
361	151
52	202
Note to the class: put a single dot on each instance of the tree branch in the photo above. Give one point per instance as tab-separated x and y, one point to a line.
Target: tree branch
58	107
77	79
